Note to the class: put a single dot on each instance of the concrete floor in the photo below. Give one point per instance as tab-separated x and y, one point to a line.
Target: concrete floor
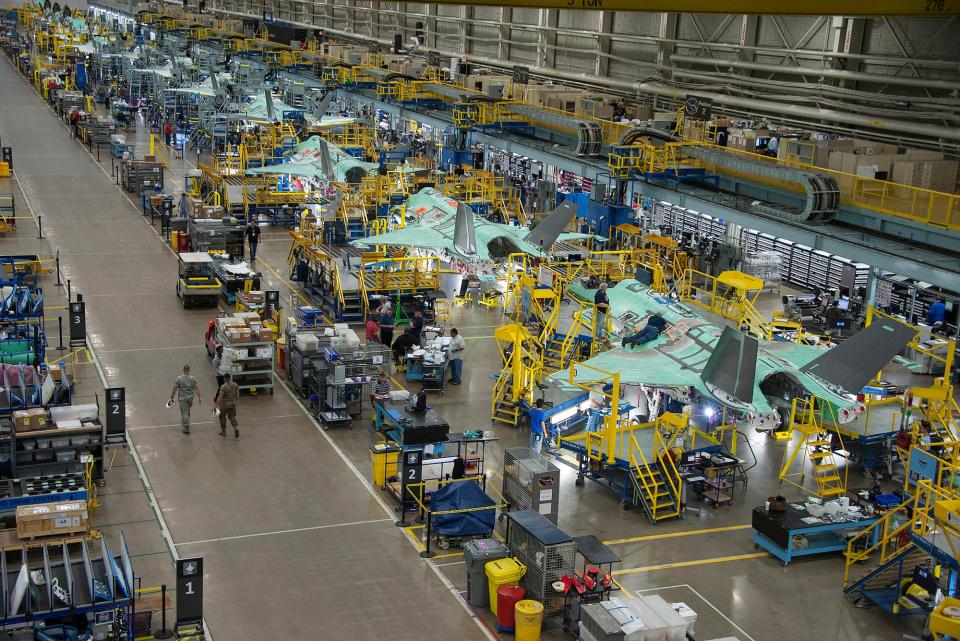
286	518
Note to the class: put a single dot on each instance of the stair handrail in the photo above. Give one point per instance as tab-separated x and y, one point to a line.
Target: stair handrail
881	529
572	334
667	464
641	472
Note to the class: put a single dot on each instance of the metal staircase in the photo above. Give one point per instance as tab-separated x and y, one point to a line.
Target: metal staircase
522	370
656	480
815	443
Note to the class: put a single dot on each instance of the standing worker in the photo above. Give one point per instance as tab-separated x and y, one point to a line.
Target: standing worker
75	122
226	400
416	326
457	345
538	431
168	133
602	305
218	365
184	389
252	234
386	326
936	312
183	209
371	329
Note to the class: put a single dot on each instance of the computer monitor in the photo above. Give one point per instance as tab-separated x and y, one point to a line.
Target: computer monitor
843	304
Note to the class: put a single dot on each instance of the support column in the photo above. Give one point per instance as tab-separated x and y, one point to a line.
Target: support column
431	26
506	19
668	31
604	29
748	38
547	41
466	28
847	37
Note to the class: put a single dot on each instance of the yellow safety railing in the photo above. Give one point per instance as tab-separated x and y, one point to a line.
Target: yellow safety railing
401	274
889	534
903	201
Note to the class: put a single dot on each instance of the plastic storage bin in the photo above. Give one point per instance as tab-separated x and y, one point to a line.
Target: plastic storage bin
502	572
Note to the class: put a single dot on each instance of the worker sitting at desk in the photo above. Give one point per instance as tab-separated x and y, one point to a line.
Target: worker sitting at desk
402	345
380	391
655	325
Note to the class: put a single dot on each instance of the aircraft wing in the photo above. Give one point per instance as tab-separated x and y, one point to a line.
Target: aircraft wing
410	236
292	168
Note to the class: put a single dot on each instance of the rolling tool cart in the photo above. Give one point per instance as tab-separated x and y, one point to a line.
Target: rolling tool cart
548	553
530	482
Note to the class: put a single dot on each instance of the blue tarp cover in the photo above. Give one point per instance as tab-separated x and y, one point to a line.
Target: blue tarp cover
461	496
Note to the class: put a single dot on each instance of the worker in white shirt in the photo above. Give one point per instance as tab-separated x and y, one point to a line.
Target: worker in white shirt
455	353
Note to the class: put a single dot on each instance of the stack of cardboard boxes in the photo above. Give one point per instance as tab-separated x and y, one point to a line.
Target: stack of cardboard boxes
29	420
52	519
916	167
245	327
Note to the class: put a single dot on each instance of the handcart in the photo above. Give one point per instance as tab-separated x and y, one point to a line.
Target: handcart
455	529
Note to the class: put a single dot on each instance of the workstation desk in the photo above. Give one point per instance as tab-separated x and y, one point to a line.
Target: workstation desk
408	429
786	535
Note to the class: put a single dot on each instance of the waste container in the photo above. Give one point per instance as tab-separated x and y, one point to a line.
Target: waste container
476	554
384	457
528	617
507	598
502	572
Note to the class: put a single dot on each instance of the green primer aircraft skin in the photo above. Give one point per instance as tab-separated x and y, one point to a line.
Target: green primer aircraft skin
677	364
436	216
305	161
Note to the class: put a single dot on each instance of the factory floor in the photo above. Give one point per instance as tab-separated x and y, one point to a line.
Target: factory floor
297	544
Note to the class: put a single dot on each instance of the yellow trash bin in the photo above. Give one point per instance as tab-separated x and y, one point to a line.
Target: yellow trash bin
384	457
502	572
528	616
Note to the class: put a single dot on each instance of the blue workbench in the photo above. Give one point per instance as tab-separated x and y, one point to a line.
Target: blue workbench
775	532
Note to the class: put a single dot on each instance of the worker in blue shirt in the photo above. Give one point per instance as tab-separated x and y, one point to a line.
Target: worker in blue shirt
936	312
537	425
655	325
416	326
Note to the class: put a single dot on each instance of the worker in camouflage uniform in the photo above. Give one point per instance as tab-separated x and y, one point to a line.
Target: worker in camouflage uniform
184	390
226	401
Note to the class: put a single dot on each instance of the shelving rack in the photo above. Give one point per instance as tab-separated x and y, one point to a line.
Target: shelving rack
257	359
60	451
800	265
93	579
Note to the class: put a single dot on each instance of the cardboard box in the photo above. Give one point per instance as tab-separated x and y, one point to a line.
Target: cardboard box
52	519
55	371
267	334
38	418
22	421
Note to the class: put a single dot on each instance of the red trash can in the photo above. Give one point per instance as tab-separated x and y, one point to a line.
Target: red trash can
183	242
507	598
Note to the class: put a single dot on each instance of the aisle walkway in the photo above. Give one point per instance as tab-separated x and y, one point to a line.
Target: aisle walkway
294	540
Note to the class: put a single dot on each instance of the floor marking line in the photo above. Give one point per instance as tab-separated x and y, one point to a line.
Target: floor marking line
685	564
389	511
717	610
192	422
148	349
625	591
444	565
291	531
671	535
449	585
